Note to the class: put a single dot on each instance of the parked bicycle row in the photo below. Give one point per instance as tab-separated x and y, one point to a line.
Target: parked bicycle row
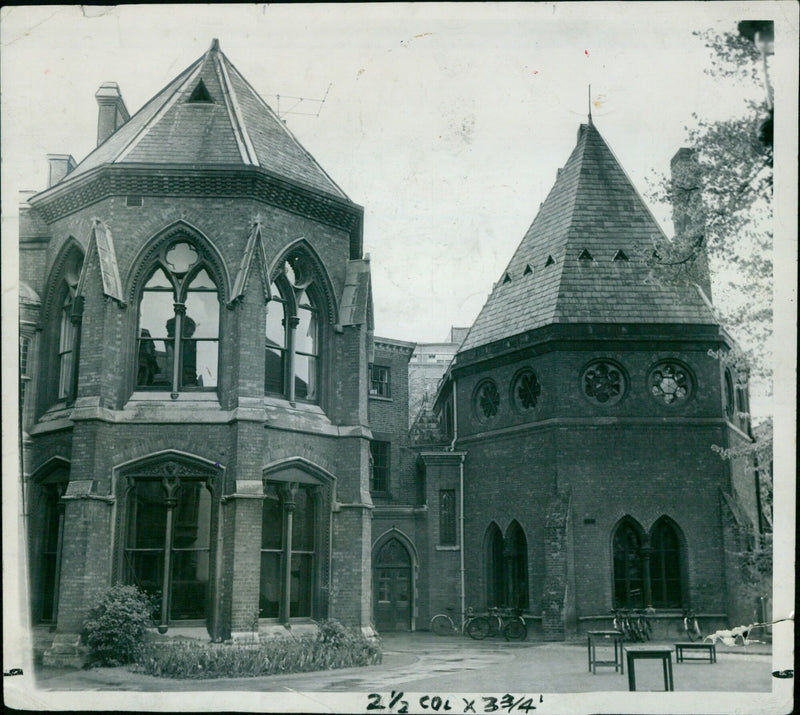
634	624
508	622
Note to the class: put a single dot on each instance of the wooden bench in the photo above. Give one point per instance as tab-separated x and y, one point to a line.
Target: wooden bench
709	648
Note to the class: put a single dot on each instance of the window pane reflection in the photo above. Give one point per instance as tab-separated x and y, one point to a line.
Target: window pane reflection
276	334
271	524
305	379
270	589
303	521
306	336
150	515
301	583
202	309
274	371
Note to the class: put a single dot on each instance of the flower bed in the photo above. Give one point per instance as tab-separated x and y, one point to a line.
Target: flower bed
332	647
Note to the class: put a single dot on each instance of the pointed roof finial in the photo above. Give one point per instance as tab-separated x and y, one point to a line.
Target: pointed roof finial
590	104
214	45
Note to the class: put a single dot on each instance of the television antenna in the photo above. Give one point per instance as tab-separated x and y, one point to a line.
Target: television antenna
296	104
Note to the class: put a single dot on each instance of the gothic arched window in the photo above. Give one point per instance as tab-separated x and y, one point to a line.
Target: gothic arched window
62	329
628	572
289	550
293	333
495	572
168	543
665	566
516	555
178	334
47	511
66	348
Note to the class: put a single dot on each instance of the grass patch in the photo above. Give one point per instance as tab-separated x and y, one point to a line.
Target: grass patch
332	647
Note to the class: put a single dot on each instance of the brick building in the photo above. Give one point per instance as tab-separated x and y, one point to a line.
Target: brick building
585	402
196	325
207	414
428	363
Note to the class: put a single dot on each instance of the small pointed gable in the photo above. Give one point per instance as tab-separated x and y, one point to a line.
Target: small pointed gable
528	270
549	261
200	93
253	252
506	279
620	255
585	256
101	244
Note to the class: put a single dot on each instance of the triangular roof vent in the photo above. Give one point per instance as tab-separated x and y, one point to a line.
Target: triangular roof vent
528	270
507	279
585	256
620	256
549	261
200	94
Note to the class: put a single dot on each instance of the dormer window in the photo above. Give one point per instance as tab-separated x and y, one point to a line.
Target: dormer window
528	270
585	256
200	94
620	256
549	261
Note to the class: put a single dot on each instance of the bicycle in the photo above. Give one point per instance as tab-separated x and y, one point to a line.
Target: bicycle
634	626
690	625
510	623
476	627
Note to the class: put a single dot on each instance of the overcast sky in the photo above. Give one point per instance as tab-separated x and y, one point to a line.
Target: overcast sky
446	122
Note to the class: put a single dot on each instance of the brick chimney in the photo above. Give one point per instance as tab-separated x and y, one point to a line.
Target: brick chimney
112	113
59	166
687	214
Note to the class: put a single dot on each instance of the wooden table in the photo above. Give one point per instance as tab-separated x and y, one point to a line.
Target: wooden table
710	648
592	638
662	653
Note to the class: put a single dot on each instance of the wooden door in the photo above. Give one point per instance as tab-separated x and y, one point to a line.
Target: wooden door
392	588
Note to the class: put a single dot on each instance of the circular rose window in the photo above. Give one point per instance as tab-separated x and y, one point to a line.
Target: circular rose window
670	383
603	382
526	390
486	400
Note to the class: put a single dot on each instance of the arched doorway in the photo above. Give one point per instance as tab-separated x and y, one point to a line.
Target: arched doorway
392	587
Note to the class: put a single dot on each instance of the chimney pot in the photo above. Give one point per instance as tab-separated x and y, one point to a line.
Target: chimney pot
59	166
112	113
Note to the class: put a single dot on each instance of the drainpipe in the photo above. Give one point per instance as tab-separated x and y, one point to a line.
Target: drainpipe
460	497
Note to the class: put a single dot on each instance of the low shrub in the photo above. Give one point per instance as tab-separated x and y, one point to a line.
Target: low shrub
116	627
334	646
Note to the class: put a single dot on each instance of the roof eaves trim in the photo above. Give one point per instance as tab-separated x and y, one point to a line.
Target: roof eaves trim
246	148
156	118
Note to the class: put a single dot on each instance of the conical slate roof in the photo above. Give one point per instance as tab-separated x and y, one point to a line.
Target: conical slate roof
582	259
223	122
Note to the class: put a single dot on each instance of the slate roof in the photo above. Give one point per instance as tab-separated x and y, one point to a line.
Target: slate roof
236	127
592	210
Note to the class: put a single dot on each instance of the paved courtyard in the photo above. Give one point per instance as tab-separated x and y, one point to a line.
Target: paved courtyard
423	662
